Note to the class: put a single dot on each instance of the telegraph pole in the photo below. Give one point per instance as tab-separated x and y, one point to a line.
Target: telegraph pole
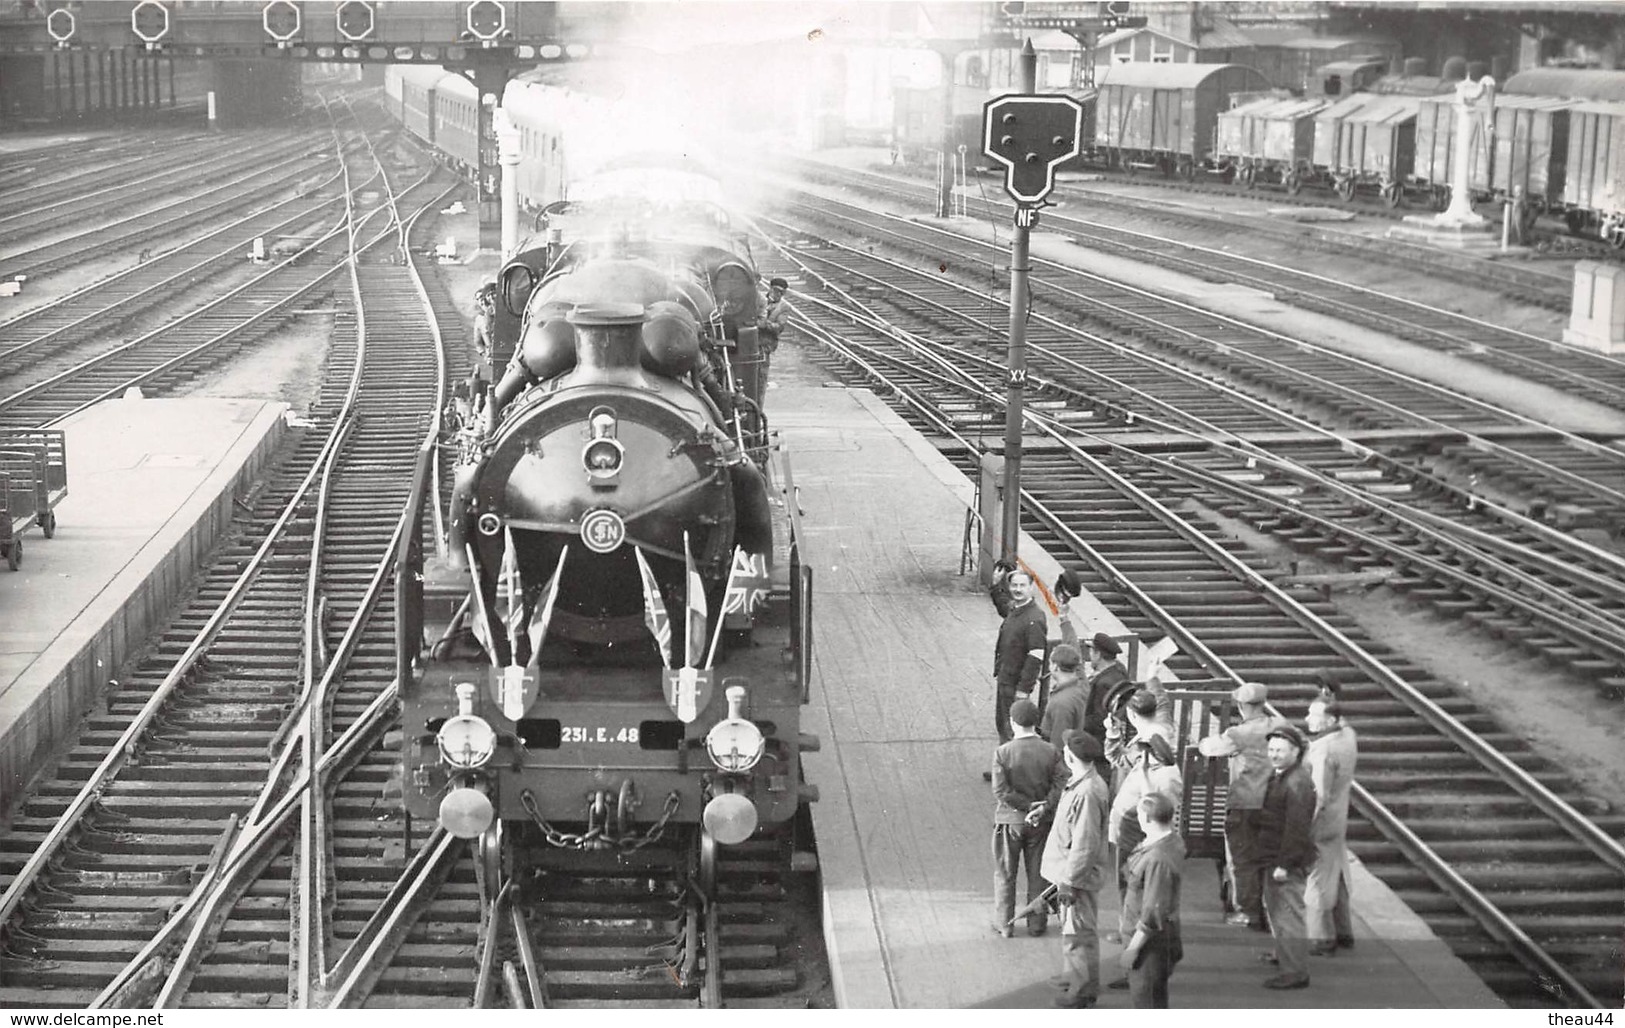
1030	135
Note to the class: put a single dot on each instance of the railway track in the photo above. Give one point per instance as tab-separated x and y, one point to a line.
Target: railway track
1100	386
266	668
1317	384
1509	860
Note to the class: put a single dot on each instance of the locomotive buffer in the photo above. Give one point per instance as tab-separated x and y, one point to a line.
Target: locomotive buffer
1030	135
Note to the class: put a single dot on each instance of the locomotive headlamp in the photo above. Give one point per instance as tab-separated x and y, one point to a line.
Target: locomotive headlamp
603	455
466	741
734	744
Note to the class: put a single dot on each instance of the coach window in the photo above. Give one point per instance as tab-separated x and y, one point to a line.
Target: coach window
1160	55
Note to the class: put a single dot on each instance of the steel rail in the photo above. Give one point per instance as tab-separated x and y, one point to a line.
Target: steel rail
1570	439
1208	430
137	269
185	356
1062	217
1489	916
1438	870
1583	829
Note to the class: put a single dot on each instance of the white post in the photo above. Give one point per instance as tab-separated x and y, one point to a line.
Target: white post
1506	225
212	122
508	156
1470	98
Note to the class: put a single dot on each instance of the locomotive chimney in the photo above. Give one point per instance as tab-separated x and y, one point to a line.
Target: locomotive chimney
607	336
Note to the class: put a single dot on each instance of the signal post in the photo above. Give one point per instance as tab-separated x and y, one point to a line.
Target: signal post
1030	135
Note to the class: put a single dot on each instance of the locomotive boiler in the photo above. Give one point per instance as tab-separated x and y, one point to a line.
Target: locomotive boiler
611	643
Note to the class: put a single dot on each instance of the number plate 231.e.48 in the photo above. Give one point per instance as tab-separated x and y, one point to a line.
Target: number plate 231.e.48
598	734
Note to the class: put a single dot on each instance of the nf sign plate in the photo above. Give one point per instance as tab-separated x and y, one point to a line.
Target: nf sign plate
1030	135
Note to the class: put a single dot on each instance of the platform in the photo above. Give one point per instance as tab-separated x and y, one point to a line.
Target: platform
152	487
902	699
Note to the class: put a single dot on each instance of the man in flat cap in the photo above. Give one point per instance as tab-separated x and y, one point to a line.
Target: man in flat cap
1028	775
1246	744
1148	769
1068	700
1075	863
770	324
1287	851
1107	678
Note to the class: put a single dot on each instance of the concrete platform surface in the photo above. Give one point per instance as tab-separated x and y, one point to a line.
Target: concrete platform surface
151	484
902	700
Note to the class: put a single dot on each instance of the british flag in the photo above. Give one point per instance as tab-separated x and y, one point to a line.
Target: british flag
748	583
654	609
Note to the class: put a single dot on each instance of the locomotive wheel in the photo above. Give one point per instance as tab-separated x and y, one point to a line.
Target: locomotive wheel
1344	188
1576	221
14	554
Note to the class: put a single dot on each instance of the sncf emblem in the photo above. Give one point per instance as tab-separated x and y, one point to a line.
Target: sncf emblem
602	530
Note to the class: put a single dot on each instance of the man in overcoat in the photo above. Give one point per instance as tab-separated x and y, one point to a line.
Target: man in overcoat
1333	751
1075	863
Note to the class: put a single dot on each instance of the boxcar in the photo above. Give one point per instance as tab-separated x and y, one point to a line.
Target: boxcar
1594	180
1367	139
1163	115
1270	140
1531	145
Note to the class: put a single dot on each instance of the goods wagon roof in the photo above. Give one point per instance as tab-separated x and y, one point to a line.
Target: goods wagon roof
1344	67
1411	85
1171	76
1279	107
1373	108
1604	107
1577	83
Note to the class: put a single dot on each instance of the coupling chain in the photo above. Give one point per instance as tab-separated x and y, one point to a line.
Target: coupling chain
583	840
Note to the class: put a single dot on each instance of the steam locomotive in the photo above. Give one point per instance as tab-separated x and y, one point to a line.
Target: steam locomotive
614	644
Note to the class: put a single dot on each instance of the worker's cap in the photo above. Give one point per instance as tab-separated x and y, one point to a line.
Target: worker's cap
1288	732
778	283
1158	745
1066	657
1251	693
1083	745
1105	644
1068	586
1024	713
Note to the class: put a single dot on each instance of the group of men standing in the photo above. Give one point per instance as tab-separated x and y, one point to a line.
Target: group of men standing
1092	781
1095	775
